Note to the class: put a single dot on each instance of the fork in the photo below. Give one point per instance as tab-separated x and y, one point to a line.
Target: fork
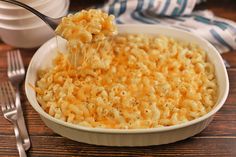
10	112
16	74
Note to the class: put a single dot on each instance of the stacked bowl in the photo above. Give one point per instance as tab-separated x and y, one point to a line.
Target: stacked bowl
21	28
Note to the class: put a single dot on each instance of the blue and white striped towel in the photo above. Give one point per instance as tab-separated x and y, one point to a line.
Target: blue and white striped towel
176	13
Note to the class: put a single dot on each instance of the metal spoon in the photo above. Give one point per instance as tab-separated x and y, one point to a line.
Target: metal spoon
52	22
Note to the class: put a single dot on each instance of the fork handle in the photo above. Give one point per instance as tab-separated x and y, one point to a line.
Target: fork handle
19	141
21	122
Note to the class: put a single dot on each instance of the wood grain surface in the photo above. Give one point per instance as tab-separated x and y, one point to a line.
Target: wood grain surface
218	139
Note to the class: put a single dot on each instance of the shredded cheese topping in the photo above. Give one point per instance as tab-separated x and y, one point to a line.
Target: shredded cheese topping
88	33
136	81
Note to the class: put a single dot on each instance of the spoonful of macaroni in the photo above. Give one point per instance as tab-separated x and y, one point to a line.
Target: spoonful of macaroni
87	26
88	34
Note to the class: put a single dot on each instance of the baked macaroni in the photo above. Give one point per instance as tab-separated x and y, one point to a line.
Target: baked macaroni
88	33
149	81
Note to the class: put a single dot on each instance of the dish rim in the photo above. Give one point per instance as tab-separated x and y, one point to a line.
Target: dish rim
221	102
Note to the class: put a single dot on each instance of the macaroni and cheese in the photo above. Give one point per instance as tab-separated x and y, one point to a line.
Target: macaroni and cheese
149	81
88	33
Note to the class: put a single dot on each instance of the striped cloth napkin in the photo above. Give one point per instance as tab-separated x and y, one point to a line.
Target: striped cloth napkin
179	14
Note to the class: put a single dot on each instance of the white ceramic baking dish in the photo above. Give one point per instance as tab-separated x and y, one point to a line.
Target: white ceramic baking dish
134	137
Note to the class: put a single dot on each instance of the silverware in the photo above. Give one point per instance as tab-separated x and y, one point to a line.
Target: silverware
16	74
9	110
52	22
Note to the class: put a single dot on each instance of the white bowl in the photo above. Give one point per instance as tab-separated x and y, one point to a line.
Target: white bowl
26	34
41	7
28	2
28	37
31	20
32	3
133	137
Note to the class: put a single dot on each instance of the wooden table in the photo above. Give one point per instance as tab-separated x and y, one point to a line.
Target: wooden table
218	139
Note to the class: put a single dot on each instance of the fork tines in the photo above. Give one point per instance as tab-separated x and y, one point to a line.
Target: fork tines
14	61
7	96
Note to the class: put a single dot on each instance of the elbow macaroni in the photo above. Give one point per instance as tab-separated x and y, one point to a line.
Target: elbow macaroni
150	81
87	33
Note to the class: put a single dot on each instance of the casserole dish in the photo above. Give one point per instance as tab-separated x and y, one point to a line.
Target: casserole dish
128	137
